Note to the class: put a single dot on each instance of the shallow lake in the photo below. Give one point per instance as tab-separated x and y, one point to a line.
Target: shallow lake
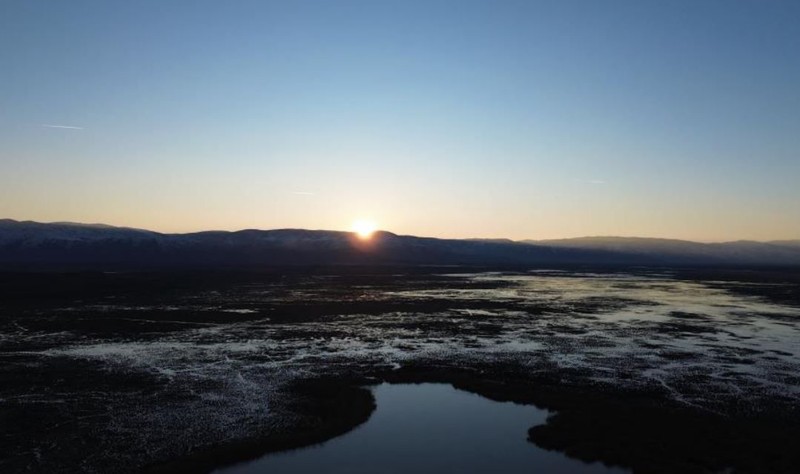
429	428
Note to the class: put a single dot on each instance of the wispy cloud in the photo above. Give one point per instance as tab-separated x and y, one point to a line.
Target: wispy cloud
303	193
69	127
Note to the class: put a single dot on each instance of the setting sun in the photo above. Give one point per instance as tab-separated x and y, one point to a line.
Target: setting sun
364	228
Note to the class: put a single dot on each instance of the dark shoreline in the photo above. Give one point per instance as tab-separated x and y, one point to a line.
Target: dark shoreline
633	430
339	406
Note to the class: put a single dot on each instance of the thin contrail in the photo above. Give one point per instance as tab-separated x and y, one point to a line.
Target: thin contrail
70	127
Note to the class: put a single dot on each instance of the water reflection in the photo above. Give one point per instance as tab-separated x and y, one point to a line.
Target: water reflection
430	428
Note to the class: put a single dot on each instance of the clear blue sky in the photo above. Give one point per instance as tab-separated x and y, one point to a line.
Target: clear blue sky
520	119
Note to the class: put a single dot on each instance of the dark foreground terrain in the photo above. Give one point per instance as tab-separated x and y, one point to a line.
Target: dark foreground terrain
656	370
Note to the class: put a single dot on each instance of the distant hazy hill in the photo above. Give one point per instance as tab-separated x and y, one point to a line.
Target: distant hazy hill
741	251
74	245
789	243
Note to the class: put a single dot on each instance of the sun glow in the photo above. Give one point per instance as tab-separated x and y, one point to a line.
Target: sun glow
364	228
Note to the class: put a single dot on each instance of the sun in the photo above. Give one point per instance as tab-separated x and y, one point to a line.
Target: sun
364	228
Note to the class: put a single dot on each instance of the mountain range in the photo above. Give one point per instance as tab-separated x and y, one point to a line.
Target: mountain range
65	244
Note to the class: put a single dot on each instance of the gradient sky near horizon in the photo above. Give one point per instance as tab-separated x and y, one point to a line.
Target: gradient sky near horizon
519	119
